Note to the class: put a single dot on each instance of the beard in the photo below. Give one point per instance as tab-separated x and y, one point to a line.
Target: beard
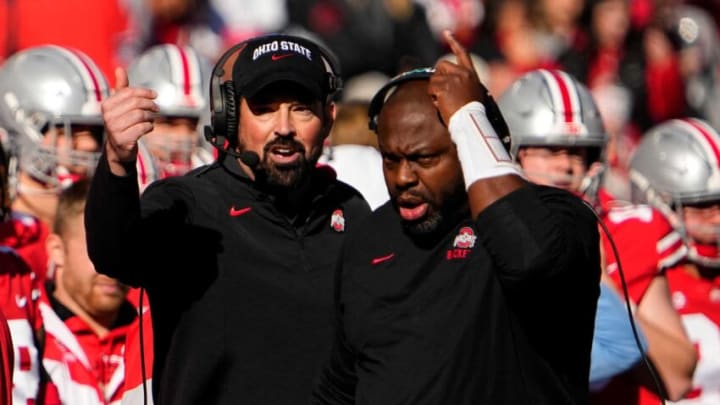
292	174
427	225
442	213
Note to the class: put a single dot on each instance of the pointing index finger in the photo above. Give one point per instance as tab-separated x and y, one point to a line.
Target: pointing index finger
461	54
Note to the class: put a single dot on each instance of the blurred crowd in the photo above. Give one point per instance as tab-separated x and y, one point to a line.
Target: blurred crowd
644	63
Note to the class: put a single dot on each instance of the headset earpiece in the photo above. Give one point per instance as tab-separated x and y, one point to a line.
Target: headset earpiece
223	111
378	100
491	108
222	130
231	117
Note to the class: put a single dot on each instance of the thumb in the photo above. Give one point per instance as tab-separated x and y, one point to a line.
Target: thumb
121	78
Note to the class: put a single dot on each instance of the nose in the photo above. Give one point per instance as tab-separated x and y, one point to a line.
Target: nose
563	161
405	176
284	125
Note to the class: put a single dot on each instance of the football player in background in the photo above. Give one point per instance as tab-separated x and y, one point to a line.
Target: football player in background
676	168
52	130
86	315
179	76
558	138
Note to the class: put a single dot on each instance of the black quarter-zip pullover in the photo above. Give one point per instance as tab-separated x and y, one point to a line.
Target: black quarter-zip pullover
497	311
241	296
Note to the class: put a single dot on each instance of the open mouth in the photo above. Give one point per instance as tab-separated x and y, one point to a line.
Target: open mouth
413	213
412	209
284	152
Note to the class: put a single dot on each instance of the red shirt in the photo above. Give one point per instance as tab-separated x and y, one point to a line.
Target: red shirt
7	360
647	245
19	295
26	235
84	368
697	299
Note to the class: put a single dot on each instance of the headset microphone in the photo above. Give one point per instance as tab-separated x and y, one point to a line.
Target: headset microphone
250	158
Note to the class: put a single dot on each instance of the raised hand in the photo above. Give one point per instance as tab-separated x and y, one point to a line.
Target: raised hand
455	84
128	115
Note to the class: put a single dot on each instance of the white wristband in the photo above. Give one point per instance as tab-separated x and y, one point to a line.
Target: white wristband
481	153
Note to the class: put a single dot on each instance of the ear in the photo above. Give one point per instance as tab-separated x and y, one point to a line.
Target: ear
331	110
55	248
329	118
520	155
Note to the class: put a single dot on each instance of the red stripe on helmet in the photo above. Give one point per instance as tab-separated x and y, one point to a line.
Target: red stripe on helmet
142	170
91	73
565	94
711	140
185	71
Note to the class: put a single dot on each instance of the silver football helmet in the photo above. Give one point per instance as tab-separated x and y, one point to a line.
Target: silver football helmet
42	90
677	163
552	108
180	77
178	74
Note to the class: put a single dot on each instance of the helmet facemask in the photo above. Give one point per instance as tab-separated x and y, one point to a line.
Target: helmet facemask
50	107
54	161
676	170
178	74
701	238
171	157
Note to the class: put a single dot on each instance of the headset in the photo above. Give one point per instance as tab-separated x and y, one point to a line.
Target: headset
500	126
378	101
222	131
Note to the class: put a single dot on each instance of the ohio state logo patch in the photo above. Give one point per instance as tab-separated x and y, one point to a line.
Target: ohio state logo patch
465	238
464	241
337	221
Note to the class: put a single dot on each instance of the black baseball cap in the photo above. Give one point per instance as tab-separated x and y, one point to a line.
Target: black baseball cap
279	57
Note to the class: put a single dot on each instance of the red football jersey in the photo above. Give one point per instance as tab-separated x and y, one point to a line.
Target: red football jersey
26	235
647	245
19	294
84	367
7	361
697	299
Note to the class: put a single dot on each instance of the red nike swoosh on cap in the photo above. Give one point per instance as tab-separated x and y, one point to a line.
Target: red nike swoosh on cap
235	212
381	259
283	56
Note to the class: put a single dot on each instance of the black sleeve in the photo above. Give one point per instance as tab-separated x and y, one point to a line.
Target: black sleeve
539	233
545	247
112	211
337	380
135	239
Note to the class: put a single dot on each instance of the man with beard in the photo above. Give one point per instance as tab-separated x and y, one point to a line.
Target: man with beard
236	256
471	286
85	315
